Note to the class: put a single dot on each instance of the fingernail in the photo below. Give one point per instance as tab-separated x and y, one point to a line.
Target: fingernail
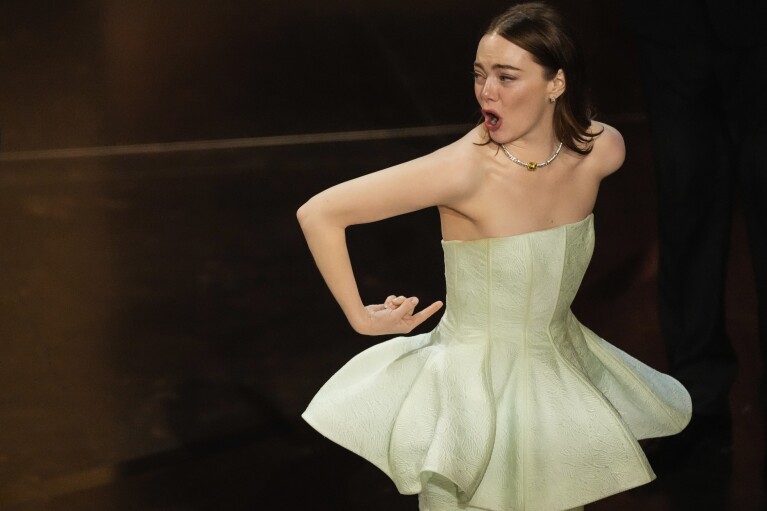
414	300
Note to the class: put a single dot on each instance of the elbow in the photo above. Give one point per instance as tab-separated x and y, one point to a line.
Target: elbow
307	212
302	214
315	214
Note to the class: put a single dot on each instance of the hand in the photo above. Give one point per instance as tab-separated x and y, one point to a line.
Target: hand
395	316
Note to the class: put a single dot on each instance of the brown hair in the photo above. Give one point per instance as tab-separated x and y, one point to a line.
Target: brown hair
540	29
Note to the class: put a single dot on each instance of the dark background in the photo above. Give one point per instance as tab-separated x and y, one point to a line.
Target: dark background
162	325
84	73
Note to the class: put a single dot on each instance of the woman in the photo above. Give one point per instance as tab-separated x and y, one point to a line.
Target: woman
510	403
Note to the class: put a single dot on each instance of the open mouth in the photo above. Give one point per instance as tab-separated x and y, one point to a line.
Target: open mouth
491	119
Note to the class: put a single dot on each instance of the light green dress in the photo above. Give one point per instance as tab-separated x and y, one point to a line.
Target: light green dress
509	400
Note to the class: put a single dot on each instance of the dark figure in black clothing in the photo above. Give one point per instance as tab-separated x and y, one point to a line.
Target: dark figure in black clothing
703	65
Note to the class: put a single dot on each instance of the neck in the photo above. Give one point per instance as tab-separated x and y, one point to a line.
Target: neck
540	140
533	148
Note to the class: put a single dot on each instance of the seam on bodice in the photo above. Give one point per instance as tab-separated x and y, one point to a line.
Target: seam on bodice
525	378
488	377
578	372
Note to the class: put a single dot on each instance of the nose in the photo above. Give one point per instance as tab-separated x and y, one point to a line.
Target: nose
488	90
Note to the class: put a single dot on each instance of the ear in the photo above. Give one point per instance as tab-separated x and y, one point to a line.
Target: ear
557	84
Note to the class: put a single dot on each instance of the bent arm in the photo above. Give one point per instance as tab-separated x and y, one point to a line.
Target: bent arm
428	181
327	242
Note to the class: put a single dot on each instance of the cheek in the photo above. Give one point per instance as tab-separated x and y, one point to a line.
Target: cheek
520	98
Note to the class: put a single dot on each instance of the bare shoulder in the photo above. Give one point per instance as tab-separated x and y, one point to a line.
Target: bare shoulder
608	150
465	148
460	159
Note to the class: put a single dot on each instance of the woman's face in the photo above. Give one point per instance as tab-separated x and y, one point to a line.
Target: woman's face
512	89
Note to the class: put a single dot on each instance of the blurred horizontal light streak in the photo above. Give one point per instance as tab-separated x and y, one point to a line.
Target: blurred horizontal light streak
235	143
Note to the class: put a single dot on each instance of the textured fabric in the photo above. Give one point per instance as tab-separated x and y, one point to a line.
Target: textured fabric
509	398
439	494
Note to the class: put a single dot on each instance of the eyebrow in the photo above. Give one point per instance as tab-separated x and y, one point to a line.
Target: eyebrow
500	66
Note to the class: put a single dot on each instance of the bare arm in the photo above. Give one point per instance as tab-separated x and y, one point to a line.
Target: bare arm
435	179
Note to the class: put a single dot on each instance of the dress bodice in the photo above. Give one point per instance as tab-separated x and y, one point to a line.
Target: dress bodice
525	282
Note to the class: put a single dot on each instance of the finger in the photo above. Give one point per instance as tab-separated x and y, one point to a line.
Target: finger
406	308
427	312
396	302
376	307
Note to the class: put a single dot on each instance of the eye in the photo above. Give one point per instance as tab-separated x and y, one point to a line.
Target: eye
507	78
478	77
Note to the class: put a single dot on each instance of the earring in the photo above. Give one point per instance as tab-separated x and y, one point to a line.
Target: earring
552	99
